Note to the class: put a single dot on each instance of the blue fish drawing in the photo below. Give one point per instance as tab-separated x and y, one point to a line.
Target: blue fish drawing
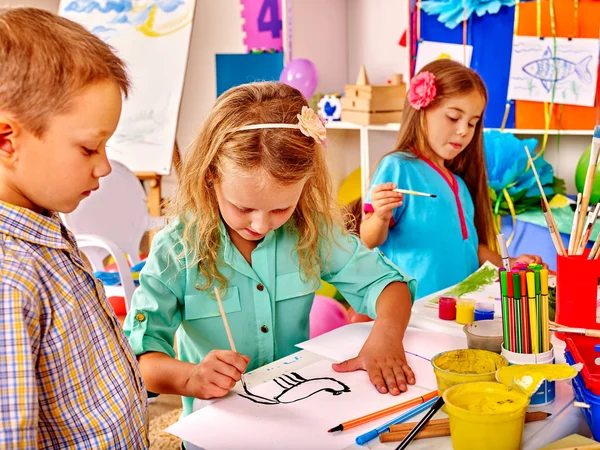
550	69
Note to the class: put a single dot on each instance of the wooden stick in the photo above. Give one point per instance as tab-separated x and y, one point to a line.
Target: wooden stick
584	331
439	428
587	190
573	236
560	249
224	317
587	229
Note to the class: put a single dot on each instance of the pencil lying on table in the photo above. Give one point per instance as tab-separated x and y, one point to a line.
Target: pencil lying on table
439	428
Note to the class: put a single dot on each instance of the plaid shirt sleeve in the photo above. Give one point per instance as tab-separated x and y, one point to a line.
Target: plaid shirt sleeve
19	342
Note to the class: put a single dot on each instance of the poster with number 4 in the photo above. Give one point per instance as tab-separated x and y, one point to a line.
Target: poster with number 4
262	24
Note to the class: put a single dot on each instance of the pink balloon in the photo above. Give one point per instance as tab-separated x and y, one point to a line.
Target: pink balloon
302	75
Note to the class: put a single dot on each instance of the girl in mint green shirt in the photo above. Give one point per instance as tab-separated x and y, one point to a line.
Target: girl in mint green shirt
254	217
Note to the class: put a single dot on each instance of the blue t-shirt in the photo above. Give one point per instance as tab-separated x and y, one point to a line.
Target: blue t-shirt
432	239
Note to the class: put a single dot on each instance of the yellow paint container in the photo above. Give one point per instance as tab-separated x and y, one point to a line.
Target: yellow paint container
485	416
465	311
465	366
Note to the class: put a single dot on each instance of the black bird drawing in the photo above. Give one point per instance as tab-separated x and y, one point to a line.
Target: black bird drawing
295	388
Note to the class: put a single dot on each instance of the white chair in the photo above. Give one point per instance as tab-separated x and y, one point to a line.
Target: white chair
113	221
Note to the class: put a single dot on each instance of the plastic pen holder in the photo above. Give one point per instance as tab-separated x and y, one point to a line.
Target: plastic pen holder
576	292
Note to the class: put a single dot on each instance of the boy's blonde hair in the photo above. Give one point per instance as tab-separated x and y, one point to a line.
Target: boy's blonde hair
285	155
45	60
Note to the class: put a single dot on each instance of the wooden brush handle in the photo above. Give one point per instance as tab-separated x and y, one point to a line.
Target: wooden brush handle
592	333
426	433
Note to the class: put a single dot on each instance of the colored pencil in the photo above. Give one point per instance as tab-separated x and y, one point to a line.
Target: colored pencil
503	251
417	193
505	314
366	437
384	412
435	428
422	423
574	236
589	178
560	249
518	312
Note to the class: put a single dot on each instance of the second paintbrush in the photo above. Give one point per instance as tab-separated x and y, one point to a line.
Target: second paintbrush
420	194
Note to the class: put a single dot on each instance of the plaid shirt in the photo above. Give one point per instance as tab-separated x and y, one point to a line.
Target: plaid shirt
68	377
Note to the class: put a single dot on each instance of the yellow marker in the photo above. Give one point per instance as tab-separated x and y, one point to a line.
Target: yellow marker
533	323
545	310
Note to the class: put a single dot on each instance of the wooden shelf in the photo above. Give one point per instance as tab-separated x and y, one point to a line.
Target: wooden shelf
338	125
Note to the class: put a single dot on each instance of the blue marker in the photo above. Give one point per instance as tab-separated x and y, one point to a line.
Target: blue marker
364	438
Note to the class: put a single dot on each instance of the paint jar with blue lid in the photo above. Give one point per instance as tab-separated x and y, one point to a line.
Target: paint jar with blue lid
484	311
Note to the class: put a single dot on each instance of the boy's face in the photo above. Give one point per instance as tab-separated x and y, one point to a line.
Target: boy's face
58	170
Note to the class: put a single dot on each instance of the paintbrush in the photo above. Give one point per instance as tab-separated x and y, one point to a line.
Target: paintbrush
583	331
587	229
417	193
589	178
573	236
552	228
560	248
227	329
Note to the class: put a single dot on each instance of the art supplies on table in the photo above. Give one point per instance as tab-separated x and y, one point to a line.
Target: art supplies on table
484	311
465	311
485	335
447	308
384	412
373	434
422	423
440	428
530	315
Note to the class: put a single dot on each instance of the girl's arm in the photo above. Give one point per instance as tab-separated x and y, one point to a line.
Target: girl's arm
373	230
214	377
375	225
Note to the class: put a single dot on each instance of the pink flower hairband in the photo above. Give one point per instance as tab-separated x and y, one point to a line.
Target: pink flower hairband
422	90
309	124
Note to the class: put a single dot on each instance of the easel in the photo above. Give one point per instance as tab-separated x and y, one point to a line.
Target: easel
154	199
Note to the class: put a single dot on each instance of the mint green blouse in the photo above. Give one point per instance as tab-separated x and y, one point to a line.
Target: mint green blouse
267	304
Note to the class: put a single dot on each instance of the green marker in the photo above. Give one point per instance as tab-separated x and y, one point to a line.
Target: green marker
518	312
538	303
505	313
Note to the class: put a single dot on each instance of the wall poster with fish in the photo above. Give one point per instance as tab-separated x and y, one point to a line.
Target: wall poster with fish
153	38
541	71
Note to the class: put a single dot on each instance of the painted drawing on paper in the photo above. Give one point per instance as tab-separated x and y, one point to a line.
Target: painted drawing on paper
429	51
153	39
292	388
566	73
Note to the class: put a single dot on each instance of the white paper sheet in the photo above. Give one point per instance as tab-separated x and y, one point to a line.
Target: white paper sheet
420	346
429	51
236	422
536	66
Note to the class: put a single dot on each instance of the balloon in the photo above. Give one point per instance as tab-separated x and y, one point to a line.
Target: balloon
580	173
302	75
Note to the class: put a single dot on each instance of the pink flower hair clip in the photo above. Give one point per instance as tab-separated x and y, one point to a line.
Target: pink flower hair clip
422	90
312	125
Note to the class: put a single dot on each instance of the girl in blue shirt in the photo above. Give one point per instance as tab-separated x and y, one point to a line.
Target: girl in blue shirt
442	240
253	216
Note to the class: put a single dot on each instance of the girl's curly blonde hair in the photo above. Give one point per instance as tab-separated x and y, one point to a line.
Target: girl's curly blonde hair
286	155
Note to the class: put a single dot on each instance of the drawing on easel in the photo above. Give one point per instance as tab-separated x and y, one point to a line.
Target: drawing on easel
153	39
542	72
429	51
292	388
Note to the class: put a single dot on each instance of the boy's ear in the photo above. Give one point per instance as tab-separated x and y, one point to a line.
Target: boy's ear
8	133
